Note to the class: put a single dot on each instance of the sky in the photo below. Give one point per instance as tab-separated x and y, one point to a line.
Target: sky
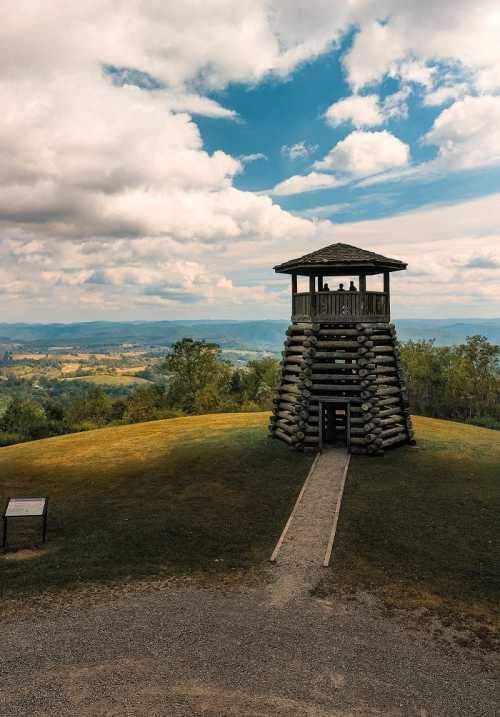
158	159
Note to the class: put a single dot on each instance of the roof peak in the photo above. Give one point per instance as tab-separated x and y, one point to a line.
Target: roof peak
339	256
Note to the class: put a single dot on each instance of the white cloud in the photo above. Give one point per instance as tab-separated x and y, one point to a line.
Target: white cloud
445	93
395	106
364	153
105	184
360	111
467	134
248	158
197	105
300	150
439	244
414	71
96	177
325	210
415	37
299	184
367	110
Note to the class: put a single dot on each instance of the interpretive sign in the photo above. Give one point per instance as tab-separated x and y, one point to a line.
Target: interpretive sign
25	508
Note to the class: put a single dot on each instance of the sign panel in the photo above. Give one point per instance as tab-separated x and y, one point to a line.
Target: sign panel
25	506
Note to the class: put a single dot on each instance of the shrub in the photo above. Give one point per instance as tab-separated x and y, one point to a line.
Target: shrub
8	439
26	418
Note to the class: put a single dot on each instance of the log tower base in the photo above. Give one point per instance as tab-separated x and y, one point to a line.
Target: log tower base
342	383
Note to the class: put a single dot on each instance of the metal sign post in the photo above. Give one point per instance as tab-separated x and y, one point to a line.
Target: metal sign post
25	508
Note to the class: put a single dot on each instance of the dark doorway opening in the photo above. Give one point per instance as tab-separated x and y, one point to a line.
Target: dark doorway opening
334	423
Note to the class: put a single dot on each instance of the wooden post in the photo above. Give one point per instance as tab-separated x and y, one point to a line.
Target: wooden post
294	283
320	283
387	291
386	282
312	285
362	283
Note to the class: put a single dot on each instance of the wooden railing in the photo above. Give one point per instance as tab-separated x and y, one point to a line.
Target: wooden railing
341	306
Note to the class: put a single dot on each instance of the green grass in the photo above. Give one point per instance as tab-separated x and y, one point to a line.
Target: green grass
207	493
421	525
105	379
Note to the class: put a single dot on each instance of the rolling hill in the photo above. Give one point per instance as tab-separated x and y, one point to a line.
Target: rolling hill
206	493
210	494
246	335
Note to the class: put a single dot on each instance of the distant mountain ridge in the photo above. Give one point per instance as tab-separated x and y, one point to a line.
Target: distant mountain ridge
266	335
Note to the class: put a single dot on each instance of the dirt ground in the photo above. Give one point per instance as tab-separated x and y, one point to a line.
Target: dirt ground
187	651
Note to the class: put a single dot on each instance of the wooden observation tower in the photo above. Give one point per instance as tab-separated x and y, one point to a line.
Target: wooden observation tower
341	380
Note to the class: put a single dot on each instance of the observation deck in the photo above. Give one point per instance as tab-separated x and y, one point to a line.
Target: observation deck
341	306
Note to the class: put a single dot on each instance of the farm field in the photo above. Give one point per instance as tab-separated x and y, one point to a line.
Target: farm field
206	493
59	365
103	379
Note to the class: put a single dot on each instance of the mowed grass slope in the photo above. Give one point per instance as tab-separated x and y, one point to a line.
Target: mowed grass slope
207	493
422	525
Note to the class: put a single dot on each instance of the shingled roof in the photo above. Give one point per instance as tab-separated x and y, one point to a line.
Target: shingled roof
341	256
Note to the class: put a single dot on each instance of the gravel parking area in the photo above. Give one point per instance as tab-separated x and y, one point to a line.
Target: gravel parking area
185	652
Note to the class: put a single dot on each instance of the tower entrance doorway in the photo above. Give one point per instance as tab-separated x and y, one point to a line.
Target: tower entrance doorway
334	423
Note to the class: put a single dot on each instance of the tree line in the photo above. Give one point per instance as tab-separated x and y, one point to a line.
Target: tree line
456	382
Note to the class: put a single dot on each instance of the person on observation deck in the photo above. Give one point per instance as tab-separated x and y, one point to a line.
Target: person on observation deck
326	287
341	287
352	286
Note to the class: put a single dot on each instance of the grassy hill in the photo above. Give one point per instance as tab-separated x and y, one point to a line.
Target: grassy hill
207	493
211	494
420	527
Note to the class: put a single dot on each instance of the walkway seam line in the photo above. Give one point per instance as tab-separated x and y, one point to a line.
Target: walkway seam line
328	554
290	517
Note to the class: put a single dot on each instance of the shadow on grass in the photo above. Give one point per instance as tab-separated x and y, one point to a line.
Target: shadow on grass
211	504
420	527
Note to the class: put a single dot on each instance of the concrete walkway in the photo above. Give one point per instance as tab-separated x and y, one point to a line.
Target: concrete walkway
300	558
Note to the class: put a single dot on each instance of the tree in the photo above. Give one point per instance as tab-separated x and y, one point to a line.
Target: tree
260	381
92	407
453	381
199	379
26	418
145	403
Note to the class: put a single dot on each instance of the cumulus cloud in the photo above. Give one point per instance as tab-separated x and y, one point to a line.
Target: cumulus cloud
395	105
424	35
467	134
300	150
359	110
413	71
466	137
445	93
364	153
367	110
101	156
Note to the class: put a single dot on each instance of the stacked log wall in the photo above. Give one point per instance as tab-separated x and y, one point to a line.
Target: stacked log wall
355	363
